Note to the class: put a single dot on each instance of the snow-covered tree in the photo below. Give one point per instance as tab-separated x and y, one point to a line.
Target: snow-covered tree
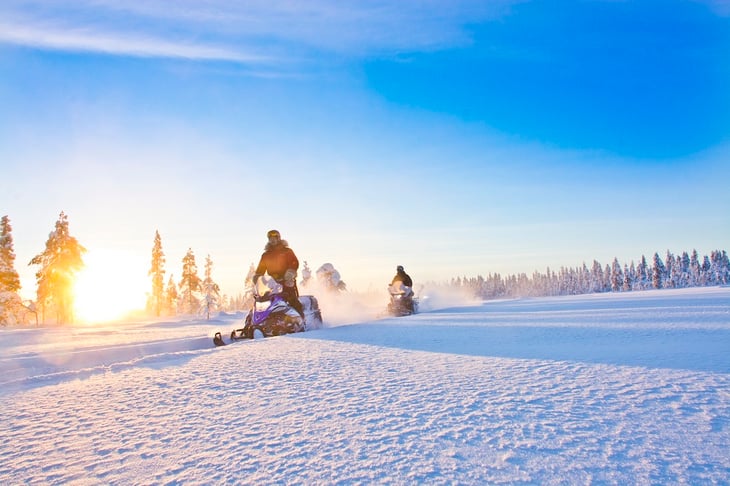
157	272
10	303
669	272
211	290
247	300
596	277
658	272
642	274
171	296
719	267
629	276
9	279
683	270
705	275
59	264
189	283
694	269
617	277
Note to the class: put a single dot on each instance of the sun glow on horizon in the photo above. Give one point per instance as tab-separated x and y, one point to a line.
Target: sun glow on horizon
111	285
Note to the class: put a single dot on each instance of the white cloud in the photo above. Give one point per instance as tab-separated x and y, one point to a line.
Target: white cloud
86	39
254	31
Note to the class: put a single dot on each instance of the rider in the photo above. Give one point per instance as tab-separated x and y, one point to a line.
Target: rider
280	262
402	276
405	279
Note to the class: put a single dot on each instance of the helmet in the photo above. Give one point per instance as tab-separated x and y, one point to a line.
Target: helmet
273	233
399	268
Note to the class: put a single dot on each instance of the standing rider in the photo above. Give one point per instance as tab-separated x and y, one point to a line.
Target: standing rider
280	262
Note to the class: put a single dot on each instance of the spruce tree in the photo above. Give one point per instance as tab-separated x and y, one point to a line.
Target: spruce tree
59	264
190	282
617	278
9	279
669	272
629	273
658	272
11	308
211	291
705	274
683	263
642	274
171	296
694	269
157	272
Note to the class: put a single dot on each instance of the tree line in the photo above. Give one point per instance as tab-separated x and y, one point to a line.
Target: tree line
681	271
192	295
62	259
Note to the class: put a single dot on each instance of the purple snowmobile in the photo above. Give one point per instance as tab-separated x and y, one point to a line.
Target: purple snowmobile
272	315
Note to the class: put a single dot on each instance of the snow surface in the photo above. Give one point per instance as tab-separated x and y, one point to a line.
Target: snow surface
626	388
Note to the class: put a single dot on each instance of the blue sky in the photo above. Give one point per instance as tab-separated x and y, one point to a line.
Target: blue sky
455	138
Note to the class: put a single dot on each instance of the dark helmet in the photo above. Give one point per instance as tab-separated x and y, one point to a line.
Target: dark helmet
273	234
399	268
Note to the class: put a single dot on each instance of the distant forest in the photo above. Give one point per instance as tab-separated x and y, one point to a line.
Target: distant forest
685	270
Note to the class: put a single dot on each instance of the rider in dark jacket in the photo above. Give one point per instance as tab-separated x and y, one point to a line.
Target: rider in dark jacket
402	276
280	262
405	279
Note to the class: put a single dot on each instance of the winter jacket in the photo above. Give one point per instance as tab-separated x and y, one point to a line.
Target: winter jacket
402	277
276	260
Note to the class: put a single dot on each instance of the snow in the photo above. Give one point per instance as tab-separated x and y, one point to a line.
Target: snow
623	388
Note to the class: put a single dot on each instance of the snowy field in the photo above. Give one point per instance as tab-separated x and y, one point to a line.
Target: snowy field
627	388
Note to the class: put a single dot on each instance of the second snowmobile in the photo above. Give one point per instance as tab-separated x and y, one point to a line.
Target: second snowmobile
403	302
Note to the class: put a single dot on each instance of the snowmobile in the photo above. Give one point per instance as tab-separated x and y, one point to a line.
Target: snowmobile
402	301
272	315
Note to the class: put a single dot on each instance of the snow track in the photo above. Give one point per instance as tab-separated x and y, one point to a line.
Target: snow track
34	357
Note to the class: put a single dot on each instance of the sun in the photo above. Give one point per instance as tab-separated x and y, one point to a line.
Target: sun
111	285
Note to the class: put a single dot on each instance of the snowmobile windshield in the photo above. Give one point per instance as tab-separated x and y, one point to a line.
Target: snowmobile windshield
266	286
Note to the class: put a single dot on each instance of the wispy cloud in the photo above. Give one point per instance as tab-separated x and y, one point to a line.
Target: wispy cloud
254	31
85	39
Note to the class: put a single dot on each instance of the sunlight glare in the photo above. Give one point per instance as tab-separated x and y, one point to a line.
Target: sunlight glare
111	285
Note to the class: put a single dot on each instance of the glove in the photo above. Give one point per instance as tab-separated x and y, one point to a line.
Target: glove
289	277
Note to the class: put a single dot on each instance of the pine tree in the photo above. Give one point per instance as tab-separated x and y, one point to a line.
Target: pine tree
9	279
11	307
171	296
705	274
669	272
642	274
190	282
596	277
211	291
617	278
724	262
719	267
157	271
629	273
658	272
59	263
694	269
683	263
